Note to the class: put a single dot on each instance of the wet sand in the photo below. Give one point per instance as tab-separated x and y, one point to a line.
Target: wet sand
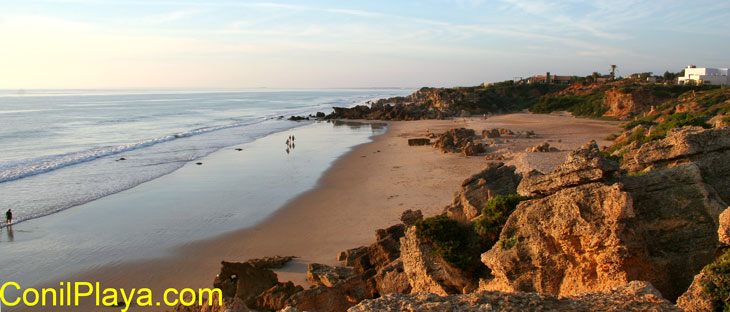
364	190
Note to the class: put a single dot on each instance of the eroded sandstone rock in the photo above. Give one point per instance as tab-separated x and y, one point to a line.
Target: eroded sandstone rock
582	166
635	296
428	272
321	274
495	179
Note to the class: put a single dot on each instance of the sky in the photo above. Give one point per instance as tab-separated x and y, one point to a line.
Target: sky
343	44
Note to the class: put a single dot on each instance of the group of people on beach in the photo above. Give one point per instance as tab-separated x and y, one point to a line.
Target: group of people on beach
289	144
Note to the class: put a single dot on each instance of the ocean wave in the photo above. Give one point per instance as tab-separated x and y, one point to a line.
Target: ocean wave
14	170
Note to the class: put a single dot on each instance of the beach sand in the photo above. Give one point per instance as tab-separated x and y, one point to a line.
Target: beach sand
365	190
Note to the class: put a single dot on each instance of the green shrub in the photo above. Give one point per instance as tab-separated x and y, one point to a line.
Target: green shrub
718	285
494	215
457	244
726	119
507	243
611	137
676	120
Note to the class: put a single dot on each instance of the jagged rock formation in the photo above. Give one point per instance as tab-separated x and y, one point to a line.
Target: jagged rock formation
593	229
542	148
582	166
709	149
381	111
635	296
321	274
419	142
495	179
459	140
428	272
626	105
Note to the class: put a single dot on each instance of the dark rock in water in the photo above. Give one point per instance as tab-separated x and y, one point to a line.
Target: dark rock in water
121	159
239	149
418	142
320	115
298	118
280	117
198	163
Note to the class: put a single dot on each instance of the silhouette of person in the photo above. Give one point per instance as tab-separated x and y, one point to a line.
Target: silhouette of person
9	216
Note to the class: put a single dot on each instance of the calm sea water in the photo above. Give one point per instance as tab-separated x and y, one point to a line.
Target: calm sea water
62	148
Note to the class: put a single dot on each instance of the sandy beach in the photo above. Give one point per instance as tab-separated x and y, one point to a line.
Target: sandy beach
364	190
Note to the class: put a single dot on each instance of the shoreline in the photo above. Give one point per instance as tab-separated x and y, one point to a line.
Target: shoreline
364	190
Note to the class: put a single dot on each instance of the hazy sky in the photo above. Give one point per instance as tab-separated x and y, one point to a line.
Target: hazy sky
235	44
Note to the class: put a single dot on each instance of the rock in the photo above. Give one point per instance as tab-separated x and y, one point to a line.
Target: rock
410	217
695	299
428	272
494	157
275	297
392	279
526	134
659	226
459	140
321	274
275	262
350	255
320	115
387	247
494	133
542	148
339	298
239	149
298	118
229	305
584	165
503	131
495	179
723	231
567	243
709	149
418	142
635	296
198	163
243	280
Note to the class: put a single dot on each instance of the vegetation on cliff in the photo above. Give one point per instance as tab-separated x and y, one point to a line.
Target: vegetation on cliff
494	215
456	243
718	283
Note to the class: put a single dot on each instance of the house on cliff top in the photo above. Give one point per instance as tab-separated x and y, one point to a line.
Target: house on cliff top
547	78
704	75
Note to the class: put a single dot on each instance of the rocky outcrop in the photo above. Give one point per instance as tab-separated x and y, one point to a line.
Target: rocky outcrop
419	142
695	299
626	105
392	279
243	280
275	298
351	256
495	179
427	272
388	111
339	298
542	148
723	231
410	217
582	166
709	149
567	243
459	140
635	296
494	133
275	262
594	230
321	274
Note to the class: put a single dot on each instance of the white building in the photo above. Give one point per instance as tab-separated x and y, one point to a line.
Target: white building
715	76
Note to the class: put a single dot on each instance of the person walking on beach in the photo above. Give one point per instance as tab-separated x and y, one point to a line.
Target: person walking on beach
9	216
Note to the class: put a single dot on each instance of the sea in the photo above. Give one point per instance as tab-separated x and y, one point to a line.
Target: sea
64	148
